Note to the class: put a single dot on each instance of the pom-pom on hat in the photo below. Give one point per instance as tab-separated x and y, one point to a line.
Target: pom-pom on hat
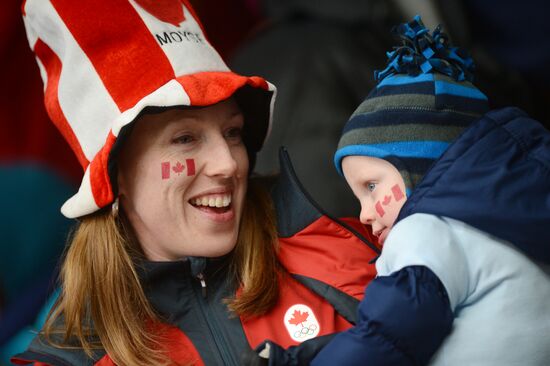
423	101
104	61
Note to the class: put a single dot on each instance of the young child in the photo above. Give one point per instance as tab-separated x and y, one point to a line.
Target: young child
460	199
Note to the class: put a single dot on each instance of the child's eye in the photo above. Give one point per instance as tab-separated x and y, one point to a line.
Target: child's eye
234	134
371	186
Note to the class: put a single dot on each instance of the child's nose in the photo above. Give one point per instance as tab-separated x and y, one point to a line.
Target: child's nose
367	215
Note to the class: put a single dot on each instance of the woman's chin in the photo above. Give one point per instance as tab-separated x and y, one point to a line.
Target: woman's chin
214	246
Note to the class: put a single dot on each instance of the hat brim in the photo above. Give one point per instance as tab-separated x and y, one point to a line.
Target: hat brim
254	95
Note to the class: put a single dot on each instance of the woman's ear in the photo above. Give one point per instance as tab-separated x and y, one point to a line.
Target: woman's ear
121	183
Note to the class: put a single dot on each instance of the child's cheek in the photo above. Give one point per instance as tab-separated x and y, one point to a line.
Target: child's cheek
397	194
379	210
173	169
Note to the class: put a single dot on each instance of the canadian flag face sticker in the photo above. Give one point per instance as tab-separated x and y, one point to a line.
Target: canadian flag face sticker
379	210
167	168
301	323
397	193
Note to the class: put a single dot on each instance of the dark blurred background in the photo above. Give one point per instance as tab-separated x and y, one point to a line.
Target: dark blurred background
320	54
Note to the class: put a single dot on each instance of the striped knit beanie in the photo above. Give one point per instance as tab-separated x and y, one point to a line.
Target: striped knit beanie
104	61
423	101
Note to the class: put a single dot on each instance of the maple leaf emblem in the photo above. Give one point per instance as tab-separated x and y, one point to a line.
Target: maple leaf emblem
387	200
178	168
298	317
168	11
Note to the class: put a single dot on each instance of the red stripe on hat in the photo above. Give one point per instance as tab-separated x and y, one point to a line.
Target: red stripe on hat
194	14
207	88
123	51
53	66
99	175
169	11
23	11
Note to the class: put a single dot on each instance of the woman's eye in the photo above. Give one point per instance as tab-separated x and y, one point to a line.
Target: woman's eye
184	139
234	134
371	186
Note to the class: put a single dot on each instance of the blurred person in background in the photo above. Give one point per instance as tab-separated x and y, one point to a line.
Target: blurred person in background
321	55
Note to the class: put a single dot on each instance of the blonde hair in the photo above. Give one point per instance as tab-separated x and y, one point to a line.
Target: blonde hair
102	296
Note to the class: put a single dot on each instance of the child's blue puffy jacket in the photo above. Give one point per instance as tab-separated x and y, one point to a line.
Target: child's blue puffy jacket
495	179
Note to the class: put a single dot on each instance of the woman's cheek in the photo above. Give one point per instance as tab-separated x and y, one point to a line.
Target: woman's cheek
172	169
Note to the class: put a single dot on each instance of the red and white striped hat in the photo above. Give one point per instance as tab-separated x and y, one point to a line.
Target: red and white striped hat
104	61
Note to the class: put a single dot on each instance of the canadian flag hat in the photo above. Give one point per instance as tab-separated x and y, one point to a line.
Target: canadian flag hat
104	61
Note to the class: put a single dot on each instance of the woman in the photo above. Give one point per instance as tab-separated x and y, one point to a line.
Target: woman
177	258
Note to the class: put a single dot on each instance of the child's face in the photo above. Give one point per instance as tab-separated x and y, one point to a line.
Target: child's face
379	188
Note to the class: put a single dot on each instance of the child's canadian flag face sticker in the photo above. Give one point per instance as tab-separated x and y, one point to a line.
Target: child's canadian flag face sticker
398	195
379	210
169	169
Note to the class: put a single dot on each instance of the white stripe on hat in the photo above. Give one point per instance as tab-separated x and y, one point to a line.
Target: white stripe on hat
273	89
77	71
43	73
170	94
121	48
187	39
82	203
31	34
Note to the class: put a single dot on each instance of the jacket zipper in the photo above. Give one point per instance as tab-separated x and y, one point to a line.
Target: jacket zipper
221	345
202	280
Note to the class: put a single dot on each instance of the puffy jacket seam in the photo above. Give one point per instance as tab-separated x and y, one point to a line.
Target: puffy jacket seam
388	340
418	197
530	155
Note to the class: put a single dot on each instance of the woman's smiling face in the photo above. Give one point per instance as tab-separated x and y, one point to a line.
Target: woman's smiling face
182	181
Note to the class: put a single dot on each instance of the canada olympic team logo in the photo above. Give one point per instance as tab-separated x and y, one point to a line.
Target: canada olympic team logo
301	323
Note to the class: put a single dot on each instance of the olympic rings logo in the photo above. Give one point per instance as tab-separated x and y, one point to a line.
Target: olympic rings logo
306	331
301	322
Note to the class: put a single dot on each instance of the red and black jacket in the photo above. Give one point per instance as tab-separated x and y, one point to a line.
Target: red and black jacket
329	263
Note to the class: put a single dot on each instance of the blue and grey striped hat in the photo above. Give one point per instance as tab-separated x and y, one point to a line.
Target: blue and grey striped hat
423	101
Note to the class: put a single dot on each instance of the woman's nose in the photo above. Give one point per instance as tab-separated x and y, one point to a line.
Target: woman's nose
220	160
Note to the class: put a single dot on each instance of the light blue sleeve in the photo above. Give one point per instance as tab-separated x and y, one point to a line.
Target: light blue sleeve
430	241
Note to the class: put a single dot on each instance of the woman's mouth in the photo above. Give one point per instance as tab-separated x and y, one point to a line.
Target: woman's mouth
216	206
212	200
